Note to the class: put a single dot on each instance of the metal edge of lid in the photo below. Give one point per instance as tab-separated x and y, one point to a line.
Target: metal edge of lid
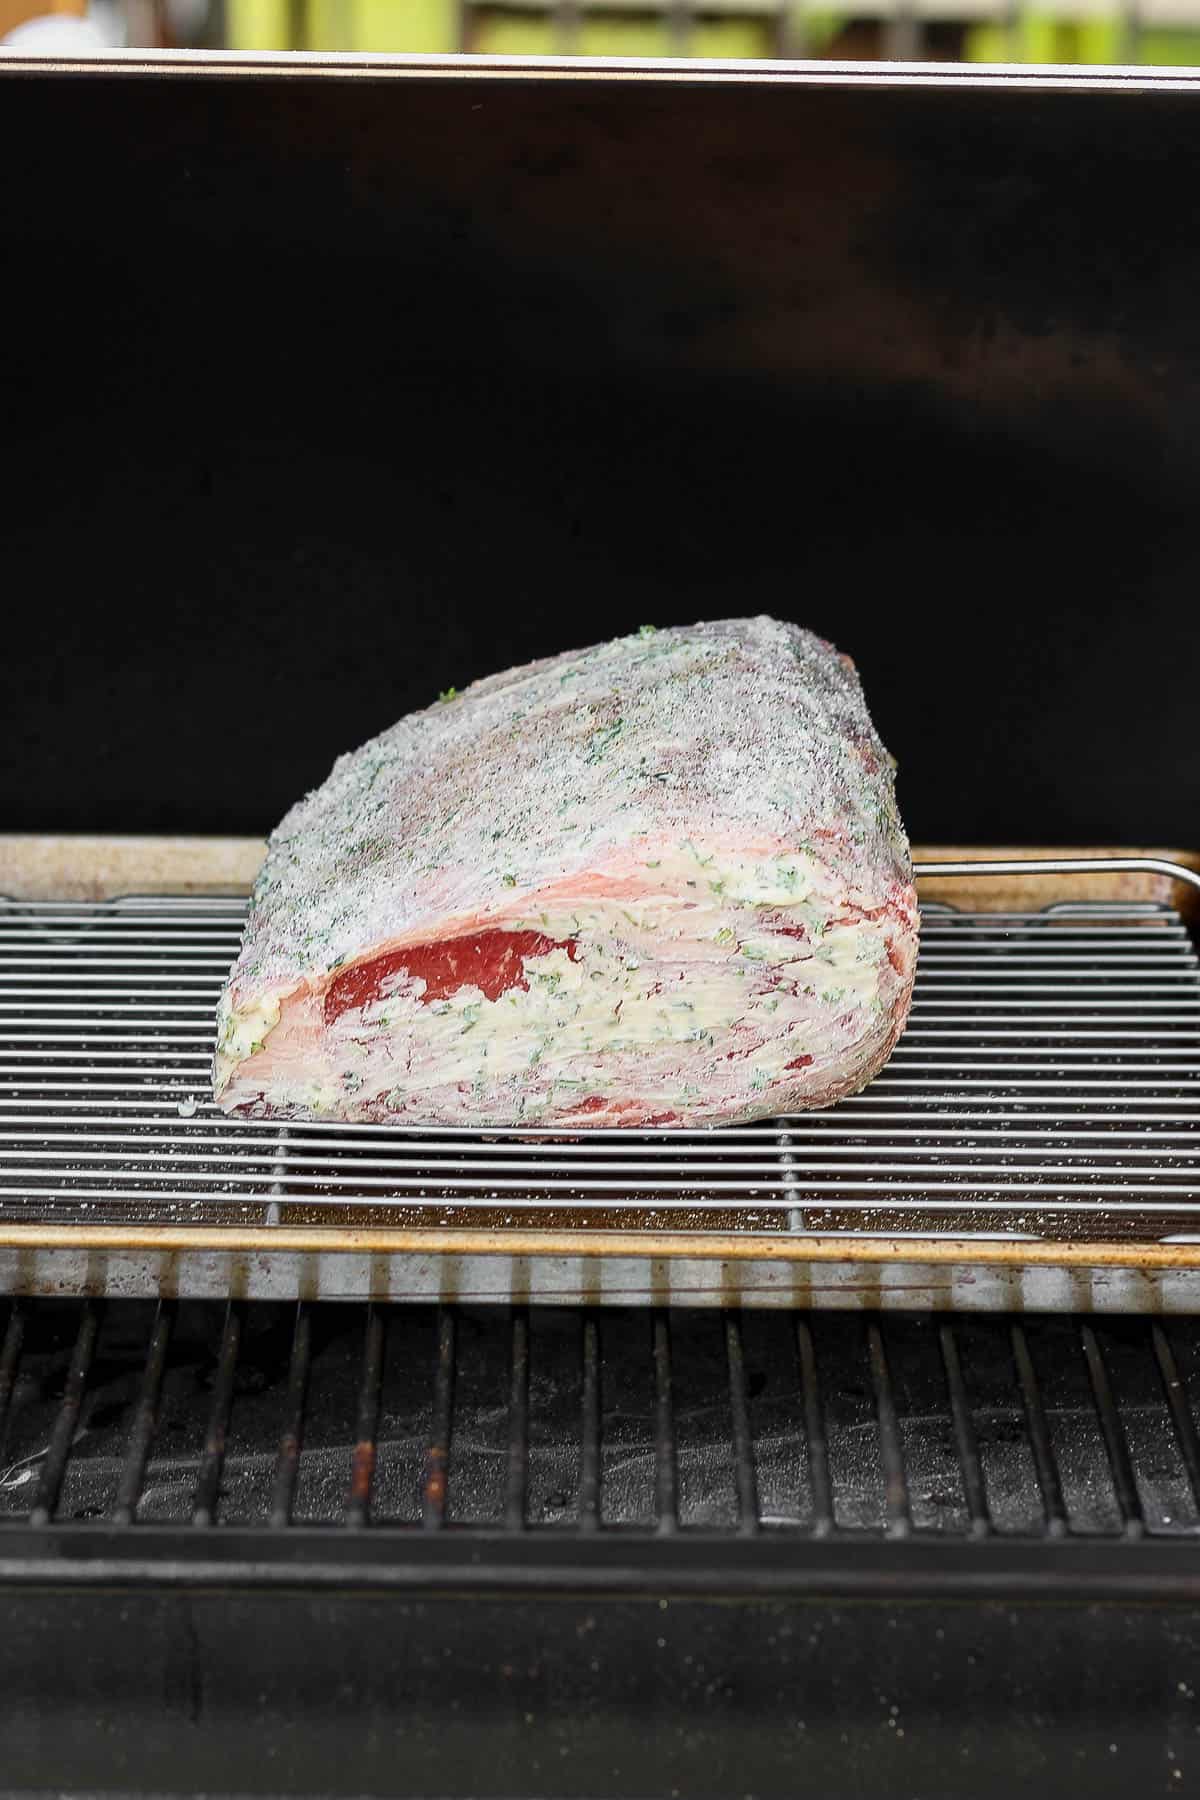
688	72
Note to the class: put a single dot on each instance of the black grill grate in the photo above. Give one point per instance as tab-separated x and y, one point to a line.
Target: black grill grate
615	1422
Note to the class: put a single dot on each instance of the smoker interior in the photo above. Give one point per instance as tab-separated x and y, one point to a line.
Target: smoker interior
327	389
327	1548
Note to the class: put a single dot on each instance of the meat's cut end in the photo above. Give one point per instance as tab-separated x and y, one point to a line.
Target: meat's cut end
660	882
659	1012
492	961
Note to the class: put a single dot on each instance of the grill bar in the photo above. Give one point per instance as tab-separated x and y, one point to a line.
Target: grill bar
573	1155
291	1443
10	1351
212	1461
1000	1199
234	1168
743	1449
185	1082
437	1456
50	1480
966	1441
939	1039
1045	1461
666	1478
890	1448
518	1423
814	1432
358	1501
911	1117
164	938
1181	1413
589	1454
1172	955
1115	1442
145	1418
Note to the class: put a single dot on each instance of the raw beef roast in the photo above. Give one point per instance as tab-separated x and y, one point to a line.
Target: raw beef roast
658	882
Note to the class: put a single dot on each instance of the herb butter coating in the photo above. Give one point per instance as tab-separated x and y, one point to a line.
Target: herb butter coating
660	881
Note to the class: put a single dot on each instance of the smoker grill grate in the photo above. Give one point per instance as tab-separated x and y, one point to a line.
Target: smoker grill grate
565	1420
1048	1085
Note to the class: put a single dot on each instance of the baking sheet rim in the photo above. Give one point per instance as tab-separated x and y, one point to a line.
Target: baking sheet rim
719	1247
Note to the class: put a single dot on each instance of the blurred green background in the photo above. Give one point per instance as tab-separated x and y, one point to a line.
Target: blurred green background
972	31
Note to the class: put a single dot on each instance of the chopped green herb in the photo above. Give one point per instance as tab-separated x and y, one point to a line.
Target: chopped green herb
647	631
450	693
509	880
601	740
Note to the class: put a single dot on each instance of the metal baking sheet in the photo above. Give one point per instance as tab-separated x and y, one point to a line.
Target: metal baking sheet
1035	1140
